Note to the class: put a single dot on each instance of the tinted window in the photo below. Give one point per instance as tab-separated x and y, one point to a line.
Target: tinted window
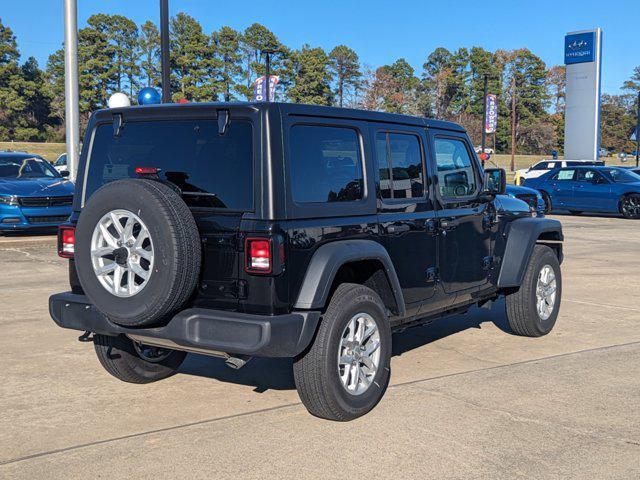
588	176
326	165
541	166
456	175
211	170
399	158
26	167
622	176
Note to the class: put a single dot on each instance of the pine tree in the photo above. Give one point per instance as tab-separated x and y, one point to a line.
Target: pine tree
312	79
149	46
256	39
345	66
227	46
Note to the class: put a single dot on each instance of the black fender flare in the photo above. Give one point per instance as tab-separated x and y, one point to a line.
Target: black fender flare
328	259
522	235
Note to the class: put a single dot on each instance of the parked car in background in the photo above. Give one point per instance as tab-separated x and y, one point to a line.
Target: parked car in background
32	193
545	166
531	197
604	152
61	163
591	189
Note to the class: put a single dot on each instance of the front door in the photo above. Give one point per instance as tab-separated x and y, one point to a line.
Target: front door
406	214
464	223
591	190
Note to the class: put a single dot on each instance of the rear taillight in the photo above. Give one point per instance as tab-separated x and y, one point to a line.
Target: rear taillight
66	241
259	256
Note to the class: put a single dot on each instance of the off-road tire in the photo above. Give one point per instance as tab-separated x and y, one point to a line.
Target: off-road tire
176	244
316	370
522	312
119	357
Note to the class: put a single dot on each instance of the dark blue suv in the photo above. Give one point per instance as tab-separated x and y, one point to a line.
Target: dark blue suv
281	230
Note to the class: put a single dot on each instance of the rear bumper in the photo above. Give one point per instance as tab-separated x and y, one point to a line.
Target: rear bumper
199	329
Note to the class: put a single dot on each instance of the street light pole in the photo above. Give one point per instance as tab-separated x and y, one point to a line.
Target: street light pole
71	88
638	134
484	115
165	51
267	54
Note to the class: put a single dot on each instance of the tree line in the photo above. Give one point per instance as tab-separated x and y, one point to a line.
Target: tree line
117	55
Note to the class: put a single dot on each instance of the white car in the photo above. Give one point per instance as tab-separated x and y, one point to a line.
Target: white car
544	166
61	163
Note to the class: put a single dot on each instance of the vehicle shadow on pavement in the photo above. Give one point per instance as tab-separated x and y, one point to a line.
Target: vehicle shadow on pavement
277	373
417	337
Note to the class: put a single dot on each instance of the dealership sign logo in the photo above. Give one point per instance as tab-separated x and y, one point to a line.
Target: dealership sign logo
579	48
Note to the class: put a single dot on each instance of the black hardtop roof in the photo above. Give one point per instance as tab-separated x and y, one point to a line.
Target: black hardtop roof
289	109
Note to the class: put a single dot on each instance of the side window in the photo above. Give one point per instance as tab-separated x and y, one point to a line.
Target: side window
566	175
399	159
585	175
456	174
326	165
540	166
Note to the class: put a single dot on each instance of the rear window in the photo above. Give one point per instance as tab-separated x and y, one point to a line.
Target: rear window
211	170
326	165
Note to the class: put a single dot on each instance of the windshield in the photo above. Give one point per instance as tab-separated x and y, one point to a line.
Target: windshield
211	170
62	160
621	176
21	168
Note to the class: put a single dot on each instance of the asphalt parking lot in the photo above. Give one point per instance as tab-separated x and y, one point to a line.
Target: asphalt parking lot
467	400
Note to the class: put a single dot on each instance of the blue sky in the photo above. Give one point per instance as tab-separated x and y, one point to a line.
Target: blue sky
379	30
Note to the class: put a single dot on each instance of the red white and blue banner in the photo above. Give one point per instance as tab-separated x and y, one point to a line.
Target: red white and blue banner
260	88
491	124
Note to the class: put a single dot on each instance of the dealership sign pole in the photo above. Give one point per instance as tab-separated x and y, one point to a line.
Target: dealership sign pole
484	117
71	89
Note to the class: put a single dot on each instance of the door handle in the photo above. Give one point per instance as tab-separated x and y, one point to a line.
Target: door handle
449	224
398	228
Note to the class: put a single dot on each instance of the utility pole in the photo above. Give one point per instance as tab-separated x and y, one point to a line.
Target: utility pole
484	113
513	124
71	87
638	134
165	57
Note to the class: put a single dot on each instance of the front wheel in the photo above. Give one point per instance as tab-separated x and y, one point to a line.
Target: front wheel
133	362
630	206
547	203
345	372
533	309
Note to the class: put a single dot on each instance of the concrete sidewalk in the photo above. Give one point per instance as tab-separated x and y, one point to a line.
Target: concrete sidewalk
467	400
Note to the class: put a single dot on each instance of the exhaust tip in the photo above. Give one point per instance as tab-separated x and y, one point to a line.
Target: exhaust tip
238	362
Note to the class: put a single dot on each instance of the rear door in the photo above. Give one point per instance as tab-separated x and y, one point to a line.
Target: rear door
214	174
561	186
465	236
405	210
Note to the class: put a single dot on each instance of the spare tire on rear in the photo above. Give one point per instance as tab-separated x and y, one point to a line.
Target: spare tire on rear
138	251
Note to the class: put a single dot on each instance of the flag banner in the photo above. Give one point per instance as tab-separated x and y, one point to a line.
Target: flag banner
260	88
491	125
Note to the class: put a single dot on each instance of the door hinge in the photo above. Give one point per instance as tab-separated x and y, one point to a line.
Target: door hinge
433	275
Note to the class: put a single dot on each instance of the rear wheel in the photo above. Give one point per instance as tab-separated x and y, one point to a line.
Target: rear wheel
345	372
630	206
547	203
533	309
133	362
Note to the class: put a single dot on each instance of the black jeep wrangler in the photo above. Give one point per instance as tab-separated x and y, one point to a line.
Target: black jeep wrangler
280	230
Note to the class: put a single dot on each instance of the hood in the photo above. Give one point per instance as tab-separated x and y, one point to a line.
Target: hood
518	190
36	187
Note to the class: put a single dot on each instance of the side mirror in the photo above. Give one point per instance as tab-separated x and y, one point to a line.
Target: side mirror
65	173
495	181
